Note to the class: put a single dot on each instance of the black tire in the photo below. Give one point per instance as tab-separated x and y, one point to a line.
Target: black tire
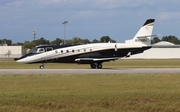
41	66
99	66
93	66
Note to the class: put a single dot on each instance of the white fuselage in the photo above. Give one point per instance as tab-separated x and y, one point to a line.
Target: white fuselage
75	50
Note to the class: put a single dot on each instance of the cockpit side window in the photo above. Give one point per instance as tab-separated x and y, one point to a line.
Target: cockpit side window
49	49
40	50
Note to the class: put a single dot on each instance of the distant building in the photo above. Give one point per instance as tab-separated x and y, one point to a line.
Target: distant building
3	45
11	51
161	50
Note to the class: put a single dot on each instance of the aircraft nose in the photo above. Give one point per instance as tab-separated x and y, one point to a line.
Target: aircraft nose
15	59
21	61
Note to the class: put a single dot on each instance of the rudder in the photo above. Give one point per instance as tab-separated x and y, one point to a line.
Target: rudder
143	36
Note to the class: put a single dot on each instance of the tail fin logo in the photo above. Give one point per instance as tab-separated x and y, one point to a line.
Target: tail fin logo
141	40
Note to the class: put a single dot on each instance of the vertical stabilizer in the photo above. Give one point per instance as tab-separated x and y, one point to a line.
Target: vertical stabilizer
144	34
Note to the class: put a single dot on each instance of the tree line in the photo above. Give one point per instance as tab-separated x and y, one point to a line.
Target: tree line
42	40
77	40
172	39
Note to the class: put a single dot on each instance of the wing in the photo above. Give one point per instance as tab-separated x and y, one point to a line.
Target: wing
94	60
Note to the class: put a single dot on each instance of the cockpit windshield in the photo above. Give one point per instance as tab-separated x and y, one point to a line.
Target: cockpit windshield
38	50
33	51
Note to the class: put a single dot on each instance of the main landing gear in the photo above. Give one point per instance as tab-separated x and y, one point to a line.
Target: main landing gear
41	66
94	66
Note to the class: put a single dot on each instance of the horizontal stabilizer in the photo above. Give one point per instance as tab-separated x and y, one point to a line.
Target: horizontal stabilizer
146	36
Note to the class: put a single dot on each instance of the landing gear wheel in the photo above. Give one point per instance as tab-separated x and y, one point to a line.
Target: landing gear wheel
41	66
93	66
99	66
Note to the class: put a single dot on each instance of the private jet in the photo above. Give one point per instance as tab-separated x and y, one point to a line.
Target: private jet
94	54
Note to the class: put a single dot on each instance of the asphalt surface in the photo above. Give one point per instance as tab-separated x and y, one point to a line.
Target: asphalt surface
91	71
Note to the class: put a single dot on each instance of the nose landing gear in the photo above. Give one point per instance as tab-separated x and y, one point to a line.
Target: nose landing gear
41	66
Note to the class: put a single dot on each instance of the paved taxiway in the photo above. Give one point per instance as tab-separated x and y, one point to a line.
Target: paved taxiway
92	71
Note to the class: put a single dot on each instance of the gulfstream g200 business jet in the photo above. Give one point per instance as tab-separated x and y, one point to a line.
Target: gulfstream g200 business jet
94	54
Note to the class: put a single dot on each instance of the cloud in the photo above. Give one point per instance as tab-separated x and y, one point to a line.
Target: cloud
93	4
102	15
168	15
60	3
11	3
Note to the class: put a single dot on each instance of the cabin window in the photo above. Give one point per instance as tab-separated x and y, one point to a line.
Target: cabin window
78	50
67	51
90	49
84	50
49	48
72	50
40	50
61	51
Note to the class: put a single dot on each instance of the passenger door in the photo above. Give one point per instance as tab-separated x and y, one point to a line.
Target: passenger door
48	54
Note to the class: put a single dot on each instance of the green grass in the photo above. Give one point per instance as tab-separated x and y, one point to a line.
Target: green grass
122	63
89	93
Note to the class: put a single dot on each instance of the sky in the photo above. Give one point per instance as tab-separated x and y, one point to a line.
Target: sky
87	19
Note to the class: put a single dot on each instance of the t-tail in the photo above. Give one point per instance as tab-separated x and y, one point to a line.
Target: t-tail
144	34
